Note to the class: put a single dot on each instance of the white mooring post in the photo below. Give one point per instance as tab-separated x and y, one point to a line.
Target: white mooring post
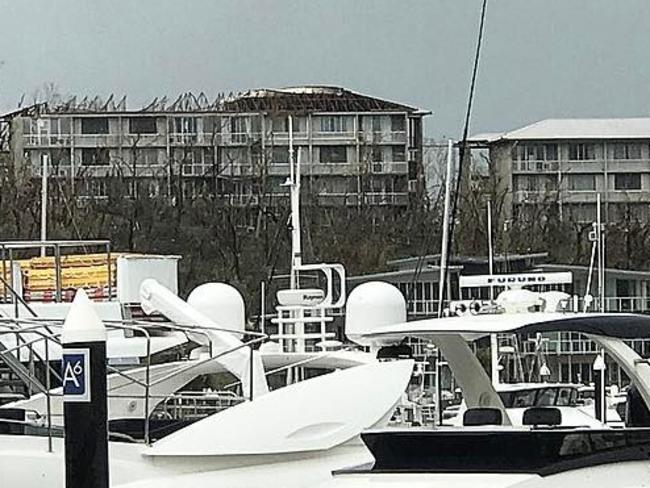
84	396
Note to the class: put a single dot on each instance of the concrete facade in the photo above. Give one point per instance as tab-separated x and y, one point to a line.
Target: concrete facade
354	149
566	163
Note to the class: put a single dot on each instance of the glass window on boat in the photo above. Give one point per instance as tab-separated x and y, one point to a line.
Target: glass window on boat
518	399
566	397
546	397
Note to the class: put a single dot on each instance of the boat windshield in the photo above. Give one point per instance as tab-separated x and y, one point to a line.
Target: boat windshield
550	396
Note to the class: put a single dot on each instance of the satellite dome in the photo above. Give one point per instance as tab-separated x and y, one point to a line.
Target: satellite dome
370	307
220	302
519	300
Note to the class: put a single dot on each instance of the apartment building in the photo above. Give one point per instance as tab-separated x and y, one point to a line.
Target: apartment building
565	163
354	149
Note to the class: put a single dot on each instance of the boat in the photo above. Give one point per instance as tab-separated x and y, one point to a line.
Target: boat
490	449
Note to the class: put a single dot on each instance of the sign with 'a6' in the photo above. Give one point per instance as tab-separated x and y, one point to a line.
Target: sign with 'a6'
76	375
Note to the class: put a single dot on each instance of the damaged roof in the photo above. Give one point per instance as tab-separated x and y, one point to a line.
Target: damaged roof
311	98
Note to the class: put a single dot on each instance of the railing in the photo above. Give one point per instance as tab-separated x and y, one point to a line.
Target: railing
535	166
31	332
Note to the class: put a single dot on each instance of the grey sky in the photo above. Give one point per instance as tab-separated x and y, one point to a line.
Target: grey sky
542	58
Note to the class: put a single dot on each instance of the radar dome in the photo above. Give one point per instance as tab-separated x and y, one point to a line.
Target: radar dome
372	306
556	301
518	300
220	302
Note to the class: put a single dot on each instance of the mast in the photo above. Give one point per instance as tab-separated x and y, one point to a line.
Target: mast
601	255
445	230
494	338
294	185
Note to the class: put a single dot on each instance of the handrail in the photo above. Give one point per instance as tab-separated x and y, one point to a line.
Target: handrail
44	329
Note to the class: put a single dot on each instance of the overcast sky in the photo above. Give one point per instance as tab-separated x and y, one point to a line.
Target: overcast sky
542	58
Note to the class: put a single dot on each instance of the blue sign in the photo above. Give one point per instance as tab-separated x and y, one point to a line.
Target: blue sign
76	375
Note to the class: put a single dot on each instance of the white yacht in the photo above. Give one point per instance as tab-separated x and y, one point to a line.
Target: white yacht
490	449
518	397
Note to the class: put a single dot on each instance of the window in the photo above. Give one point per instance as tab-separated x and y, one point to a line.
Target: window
582	151
280	155
376	123
546	397
333	123
399	153
535	183
184	125
94	125
142	125
536	152
280	124
582	182
621	150
333	154
211	125
93	187
147	157
397	123
238	125
627	181
96	156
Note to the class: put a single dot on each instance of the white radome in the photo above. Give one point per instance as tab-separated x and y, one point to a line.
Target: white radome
372	306
220	302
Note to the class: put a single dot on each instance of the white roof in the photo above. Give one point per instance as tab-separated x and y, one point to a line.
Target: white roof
549	129
472	327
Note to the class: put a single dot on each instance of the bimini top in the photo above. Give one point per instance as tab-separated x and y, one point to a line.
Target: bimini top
471	327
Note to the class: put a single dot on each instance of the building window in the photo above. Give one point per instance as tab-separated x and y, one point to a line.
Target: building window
333	154
582	151
535	183
142	125
399	153
146	157
184	125
627	181
211	125
622	150
582	182
238	125
93	188
95	156
280	155
536	152
397	123
94	125
280	124
376	123
333	123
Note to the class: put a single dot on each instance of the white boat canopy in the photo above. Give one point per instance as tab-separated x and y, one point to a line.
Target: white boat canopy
471	327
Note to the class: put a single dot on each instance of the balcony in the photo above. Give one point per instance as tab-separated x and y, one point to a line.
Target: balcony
55	140
383	168
196	169
369	199
535	166
382	137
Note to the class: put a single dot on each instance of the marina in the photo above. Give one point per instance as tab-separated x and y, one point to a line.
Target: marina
324	245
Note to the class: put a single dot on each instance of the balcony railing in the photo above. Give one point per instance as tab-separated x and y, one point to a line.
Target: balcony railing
535	166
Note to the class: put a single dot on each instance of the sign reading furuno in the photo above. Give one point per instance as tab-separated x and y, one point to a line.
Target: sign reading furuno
520	279
76	375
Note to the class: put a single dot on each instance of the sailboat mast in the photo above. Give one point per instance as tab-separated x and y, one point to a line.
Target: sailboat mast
294	176
445	231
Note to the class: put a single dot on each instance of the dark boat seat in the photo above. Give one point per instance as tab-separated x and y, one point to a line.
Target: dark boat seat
482	416
546	416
